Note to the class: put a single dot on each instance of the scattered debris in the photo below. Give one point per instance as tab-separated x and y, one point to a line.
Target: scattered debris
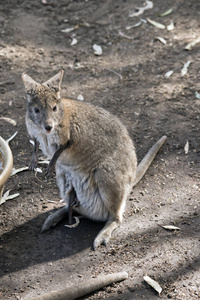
9	120
154	284
170	27
97	49
77	219
51	201
80	98
120	76
38	170
185	68
125	36
166	13
7	196
44	162
156	24
192	44
140	10
186	148
12	137
86	24
15	171
74	41
136	25
169	73
197	95
68	29
162	40
170	227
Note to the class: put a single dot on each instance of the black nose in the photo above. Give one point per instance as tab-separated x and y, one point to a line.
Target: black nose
48	128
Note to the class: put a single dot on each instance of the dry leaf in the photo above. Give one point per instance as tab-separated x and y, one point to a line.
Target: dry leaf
170	27
6	197
162	40
166	13
140	10
185	68
197	95
15	171
170	227
44	162
192	44
12	137
38	170
186	148
73	42
97	49
124	35
156	24
68	29
136	25
9	120
154	284
80	98
169	73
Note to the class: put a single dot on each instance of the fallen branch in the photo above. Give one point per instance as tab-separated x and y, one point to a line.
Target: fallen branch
83	288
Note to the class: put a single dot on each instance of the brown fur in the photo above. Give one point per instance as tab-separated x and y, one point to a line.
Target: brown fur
99	165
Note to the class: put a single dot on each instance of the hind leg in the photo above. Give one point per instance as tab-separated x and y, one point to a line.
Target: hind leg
116	215
104	235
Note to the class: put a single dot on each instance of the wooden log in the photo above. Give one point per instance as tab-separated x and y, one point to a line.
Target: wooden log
83	288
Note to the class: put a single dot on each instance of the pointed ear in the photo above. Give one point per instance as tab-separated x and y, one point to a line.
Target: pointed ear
29	83
55	81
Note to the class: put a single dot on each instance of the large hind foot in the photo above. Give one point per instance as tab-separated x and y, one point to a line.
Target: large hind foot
104	235
54	218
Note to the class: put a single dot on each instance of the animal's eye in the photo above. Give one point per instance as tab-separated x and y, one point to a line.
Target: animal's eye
36	110
55	108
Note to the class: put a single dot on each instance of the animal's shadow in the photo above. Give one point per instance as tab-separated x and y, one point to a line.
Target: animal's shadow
26	245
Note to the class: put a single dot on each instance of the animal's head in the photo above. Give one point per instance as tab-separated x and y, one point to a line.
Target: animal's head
44	102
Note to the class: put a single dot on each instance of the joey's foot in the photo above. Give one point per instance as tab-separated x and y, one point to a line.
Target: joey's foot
54	218
49	222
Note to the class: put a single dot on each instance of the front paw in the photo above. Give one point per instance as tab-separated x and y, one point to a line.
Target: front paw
49	171
33	165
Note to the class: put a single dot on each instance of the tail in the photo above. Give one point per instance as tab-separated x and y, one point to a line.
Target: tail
147	160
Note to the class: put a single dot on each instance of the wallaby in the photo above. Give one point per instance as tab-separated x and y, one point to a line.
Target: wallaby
94	155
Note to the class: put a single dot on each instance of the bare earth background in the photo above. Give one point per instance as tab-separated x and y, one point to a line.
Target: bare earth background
128	79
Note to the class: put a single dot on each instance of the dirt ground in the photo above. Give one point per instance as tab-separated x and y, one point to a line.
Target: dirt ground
128	79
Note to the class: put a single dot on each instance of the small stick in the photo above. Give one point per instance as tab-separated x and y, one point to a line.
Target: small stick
120	76
83	288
